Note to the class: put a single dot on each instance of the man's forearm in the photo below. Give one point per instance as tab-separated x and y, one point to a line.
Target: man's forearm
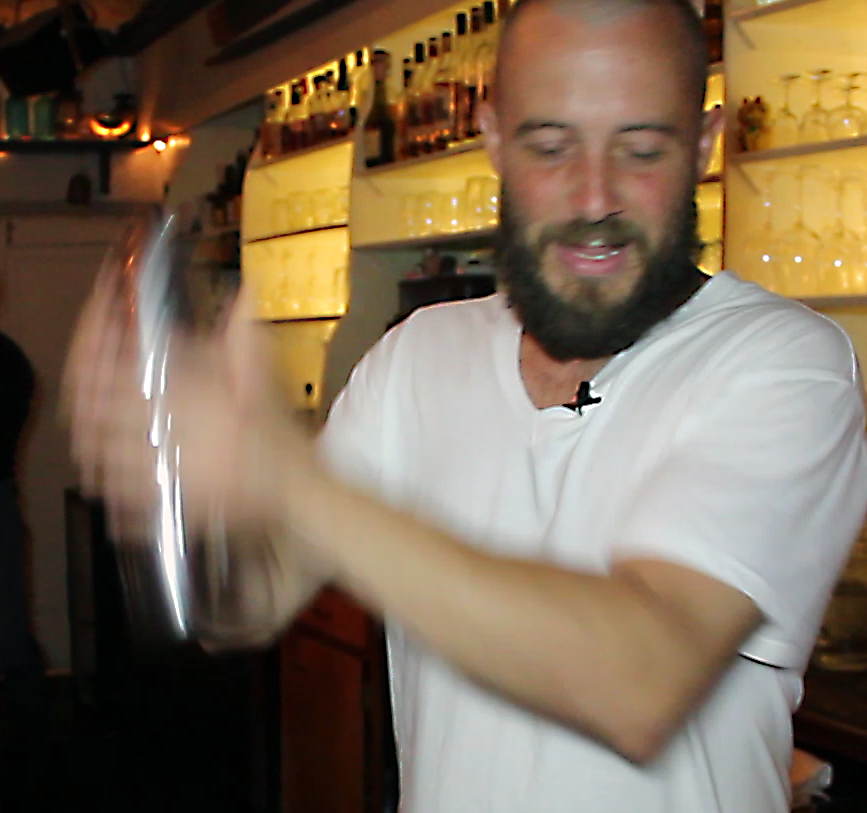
595	652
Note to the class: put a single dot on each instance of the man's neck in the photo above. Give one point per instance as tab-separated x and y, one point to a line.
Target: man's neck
549	382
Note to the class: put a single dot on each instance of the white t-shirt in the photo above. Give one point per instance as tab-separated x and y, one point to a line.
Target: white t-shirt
729	439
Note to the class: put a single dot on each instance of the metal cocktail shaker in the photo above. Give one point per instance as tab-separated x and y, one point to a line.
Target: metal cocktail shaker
179	587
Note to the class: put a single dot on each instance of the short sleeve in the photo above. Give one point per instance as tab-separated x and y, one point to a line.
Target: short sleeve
765	489
353	441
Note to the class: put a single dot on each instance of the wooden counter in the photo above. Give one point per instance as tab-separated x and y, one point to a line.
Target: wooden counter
833	716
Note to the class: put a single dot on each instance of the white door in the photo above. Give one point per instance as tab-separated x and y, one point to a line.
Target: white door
49	266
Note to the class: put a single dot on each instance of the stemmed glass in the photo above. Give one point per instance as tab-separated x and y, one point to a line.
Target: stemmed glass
848	120
858	283
839	257
786	129
797	248
761	263
814	125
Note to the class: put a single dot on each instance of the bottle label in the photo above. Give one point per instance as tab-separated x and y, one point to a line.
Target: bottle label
373	143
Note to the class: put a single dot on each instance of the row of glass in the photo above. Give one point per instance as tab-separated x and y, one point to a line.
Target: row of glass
310	283
300	211
800	256
473	207
819	123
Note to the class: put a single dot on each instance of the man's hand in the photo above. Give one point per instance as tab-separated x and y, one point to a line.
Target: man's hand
239	449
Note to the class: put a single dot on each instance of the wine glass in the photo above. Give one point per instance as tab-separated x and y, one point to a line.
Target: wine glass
797	248
840	254
858	282
761	263
786	128
814	125
848	120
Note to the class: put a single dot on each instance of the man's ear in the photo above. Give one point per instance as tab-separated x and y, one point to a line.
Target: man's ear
711	126
493	139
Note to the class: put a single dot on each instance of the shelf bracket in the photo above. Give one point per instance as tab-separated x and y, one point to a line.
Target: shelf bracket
739	26
748	178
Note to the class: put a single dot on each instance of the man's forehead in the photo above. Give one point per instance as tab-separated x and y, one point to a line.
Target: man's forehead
548	46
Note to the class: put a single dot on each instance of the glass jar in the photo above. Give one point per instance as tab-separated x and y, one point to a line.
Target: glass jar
17	114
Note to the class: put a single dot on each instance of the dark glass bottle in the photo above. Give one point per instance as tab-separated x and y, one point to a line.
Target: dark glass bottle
445	103
461	50
415	102
380	128
402	112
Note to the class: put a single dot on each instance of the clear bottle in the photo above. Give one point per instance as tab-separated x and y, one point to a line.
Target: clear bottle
486	53
415	113
290	133
359	88
318	110
471	71
445	93
341	119
429	101
303	124
270	131
402	112
460	51
379	127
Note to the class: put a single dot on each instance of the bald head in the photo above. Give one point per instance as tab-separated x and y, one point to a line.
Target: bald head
688	31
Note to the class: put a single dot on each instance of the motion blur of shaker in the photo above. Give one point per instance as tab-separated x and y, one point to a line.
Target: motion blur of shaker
179	587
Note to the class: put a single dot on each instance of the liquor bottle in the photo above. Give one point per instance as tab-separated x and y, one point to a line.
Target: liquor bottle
460	51
445	103
401	115
429	97
359	88
487	52
379	127
713	27
303	125
271	128
470	71
414	129
341	120
318	111
289	134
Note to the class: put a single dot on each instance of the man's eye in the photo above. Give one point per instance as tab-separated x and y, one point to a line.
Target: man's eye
546	149
650	155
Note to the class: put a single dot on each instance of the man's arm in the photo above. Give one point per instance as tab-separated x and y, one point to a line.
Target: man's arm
623	658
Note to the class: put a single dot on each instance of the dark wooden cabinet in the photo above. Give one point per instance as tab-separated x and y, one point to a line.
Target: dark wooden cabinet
336	747
323	728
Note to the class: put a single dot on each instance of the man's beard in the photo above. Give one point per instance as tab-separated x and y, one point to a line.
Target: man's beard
585	326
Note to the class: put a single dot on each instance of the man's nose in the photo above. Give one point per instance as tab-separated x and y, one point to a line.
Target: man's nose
593	193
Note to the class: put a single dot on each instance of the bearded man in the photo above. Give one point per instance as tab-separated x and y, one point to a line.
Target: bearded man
603	510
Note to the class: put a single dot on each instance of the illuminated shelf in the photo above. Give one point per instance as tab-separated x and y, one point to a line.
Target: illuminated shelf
312	230
798	151
265	163
805	12
300	319
472	145
841	301
822	26
462	241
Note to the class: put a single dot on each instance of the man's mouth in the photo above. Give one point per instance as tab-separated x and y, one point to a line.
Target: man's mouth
594	259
